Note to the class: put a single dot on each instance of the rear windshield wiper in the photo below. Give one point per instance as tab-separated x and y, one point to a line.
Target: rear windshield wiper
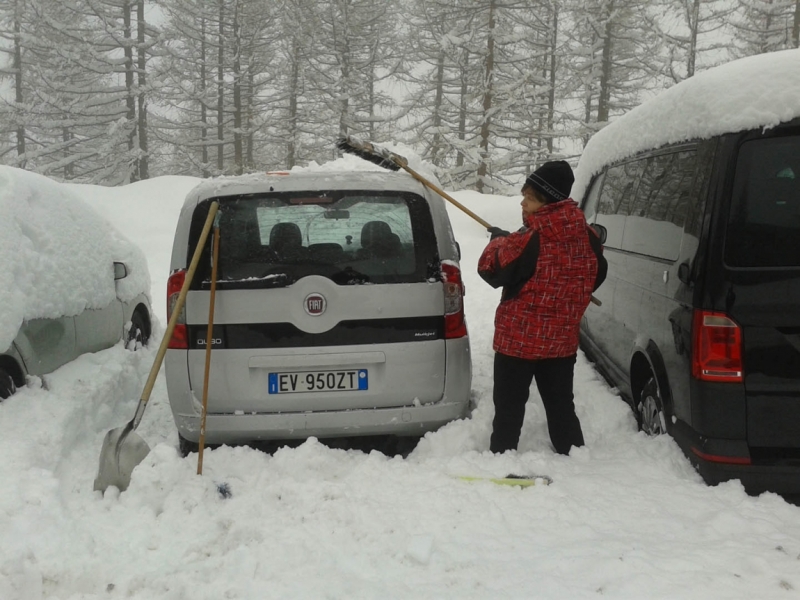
260	282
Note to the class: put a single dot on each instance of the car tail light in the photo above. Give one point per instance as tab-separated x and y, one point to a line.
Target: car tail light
716	347
179	339
454	324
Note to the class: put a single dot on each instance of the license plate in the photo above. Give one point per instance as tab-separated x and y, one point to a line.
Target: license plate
318	381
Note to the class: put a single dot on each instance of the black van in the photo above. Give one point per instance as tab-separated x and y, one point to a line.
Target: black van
699	327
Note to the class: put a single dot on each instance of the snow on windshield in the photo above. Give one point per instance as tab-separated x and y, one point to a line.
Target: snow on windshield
57	254
758	91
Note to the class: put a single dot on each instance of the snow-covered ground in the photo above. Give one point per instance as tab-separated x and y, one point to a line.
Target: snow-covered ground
626	516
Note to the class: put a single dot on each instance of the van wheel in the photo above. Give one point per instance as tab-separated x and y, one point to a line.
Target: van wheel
137	334
186	447
7	385
650	409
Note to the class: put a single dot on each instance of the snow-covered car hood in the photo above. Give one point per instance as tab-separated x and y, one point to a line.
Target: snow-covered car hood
58	254
757	91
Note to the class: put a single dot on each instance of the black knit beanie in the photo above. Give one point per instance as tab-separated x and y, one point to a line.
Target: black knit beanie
553	180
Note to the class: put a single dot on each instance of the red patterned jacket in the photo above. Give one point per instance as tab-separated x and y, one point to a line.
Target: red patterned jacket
548	271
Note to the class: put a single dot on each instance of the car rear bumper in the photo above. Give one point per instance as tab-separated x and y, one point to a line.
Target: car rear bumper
716	461
406	420
756	479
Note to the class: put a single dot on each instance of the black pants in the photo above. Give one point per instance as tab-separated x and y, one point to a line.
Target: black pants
512	382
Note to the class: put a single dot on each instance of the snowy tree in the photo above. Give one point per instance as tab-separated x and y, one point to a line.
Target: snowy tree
353	55
488	72
613	59
15	16
114	28
81	74
693	32
766	26
222	58
440	80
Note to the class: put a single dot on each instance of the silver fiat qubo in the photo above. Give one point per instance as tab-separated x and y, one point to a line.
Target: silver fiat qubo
338	310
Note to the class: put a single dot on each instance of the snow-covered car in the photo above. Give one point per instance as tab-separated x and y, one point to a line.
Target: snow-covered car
338	310
698	190
69	282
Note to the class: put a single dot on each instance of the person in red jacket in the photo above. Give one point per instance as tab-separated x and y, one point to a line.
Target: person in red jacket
548	271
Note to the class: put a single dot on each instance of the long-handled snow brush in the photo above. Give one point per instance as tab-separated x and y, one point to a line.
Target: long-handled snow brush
394	162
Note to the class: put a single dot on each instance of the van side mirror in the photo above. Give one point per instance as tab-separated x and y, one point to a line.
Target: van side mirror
120	271
601	232
685	273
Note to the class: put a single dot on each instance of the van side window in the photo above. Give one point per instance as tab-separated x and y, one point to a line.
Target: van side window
764	219
619	190
697	208
590	203
658	214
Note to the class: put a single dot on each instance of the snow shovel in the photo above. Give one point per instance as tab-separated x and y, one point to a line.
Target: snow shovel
123	449
209	344
394	162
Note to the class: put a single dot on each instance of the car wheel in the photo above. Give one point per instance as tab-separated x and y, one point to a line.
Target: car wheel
7	385
186	447
137	334
650	409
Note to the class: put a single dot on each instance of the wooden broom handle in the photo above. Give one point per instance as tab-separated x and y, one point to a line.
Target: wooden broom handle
209	343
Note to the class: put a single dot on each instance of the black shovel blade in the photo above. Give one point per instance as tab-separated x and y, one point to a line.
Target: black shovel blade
123	449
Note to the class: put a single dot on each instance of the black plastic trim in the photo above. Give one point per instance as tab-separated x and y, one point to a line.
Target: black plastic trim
346	333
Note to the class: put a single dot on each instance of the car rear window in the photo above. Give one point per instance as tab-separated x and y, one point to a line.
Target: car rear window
350	237
764	221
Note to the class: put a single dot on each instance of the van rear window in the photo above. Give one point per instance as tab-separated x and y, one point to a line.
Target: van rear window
764	220
350	237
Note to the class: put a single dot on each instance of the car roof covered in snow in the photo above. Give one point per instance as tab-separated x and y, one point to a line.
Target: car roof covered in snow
58	254
303	180
757	91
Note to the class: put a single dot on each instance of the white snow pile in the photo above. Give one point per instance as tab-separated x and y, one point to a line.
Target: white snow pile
757	91
58	254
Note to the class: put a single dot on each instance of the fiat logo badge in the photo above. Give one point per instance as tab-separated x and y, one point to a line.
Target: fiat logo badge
315	304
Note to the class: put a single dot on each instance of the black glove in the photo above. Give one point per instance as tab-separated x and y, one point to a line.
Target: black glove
497	232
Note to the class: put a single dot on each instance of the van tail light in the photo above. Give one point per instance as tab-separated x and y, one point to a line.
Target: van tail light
455	326
716	348
179	339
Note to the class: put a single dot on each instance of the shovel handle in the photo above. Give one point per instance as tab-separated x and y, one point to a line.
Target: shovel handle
209	342
176	312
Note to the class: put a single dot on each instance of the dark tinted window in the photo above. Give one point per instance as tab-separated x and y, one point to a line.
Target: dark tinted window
764	221
616	197
592	199
350	237
657	215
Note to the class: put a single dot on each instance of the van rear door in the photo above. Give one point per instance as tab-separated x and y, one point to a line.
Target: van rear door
326	301
762	257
